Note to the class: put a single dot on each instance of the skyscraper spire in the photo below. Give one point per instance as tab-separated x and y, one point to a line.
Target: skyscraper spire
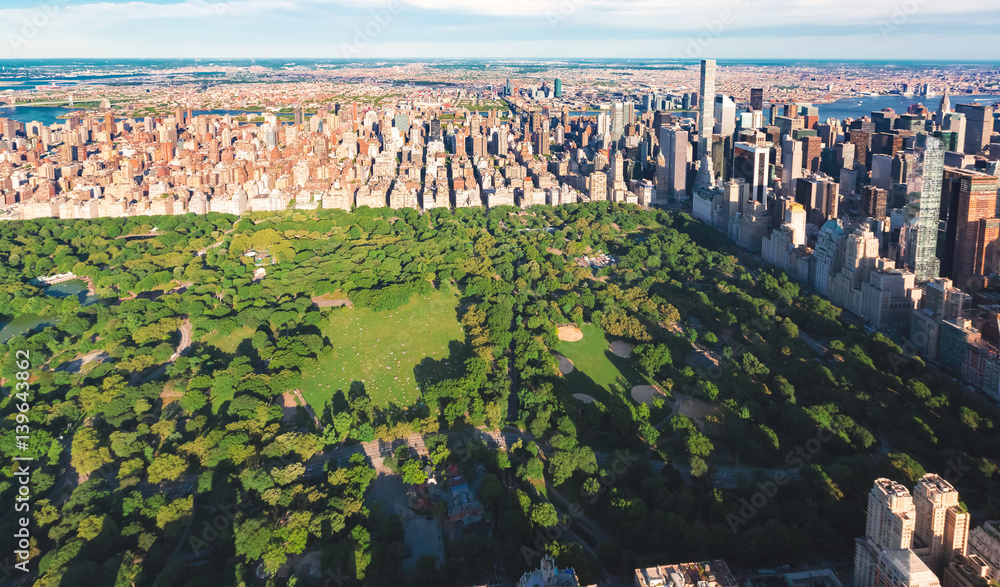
944	108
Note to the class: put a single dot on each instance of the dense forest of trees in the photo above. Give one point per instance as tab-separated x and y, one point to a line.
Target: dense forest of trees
132	459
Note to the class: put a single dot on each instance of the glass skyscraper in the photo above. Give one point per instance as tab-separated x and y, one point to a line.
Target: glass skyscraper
923	209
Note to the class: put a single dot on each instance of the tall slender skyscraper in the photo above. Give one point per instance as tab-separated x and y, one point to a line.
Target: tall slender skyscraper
706	125
617	120
558	88
923	210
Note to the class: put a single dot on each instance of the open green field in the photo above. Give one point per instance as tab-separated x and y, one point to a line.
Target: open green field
382	350
596	367
228	343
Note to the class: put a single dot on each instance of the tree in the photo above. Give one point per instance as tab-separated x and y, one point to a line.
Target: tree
412	473
87	455
532	470
166	467
698	445
649	358
544	514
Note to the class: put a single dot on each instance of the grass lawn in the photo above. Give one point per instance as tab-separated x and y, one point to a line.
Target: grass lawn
596	367
382	350
228	343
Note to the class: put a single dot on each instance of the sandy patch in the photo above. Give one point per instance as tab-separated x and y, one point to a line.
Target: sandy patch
584	398
622	349
565	365
644	394
288	404
570	333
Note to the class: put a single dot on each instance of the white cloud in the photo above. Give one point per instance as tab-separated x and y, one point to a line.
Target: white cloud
209	26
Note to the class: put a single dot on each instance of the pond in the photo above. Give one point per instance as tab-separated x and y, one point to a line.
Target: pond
30	323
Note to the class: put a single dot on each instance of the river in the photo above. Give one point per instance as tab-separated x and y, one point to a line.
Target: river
33	322
865	105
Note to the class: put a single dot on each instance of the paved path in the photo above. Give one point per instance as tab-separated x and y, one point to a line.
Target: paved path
182	349
202	252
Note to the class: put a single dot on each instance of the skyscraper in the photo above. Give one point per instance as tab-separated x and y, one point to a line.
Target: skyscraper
974	198
558	88
617	120
873	201
889	528
791	164
812	151
671	178
750	163
923	210
706	125
616	183
757	99
725	115
942	524
978	125
943	109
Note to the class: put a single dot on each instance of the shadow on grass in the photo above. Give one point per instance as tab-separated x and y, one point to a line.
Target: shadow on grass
430	371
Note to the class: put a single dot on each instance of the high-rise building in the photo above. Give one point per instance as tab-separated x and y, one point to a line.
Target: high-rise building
820	195
923	210
812	148
910	540
616	181
873	201
725	115
558	88
829	254
942	524
984	542
955	122
943	109
617	120
882	171
978	125
889	527
973	196
791	164
671	178
750	163
706	125
757	99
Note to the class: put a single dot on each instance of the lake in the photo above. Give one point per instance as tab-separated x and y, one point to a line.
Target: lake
33	322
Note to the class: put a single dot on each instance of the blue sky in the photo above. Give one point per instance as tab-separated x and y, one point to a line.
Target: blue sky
749	29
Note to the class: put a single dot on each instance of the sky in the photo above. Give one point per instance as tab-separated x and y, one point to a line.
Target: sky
502	29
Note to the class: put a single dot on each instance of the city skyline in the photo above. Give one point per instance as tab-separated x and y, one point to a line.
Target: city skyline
425	29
